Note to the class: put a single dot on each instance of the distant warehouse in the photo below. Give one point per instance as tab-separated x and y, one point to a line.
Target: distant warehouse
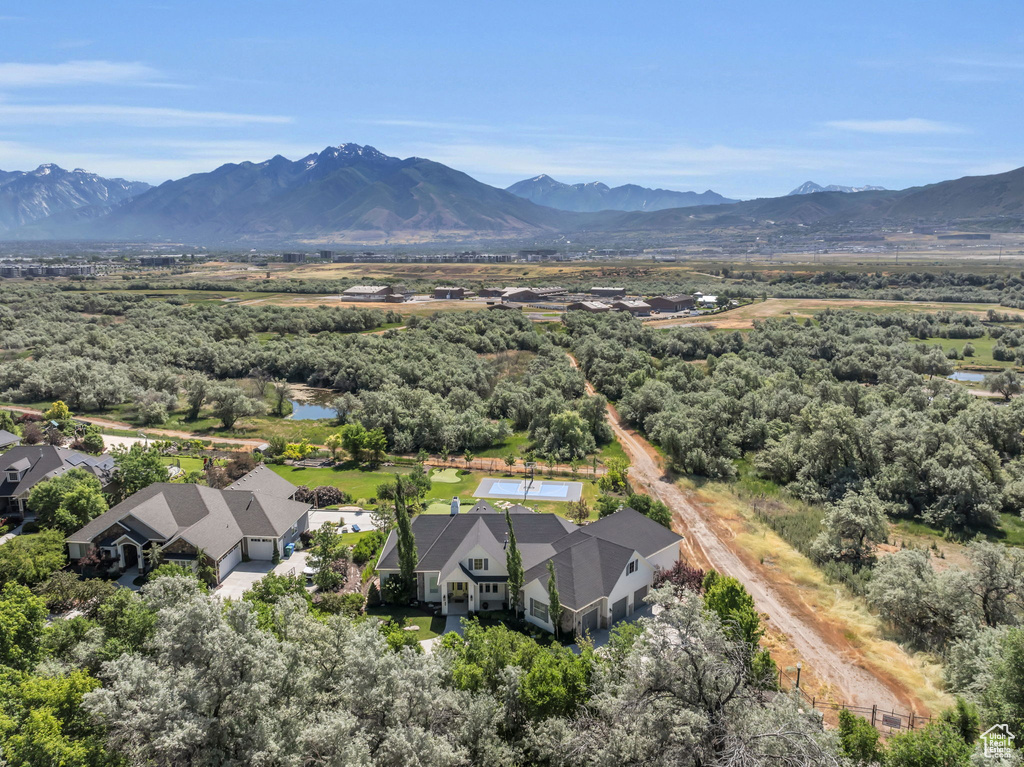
608	292
636	308
594	307
678	303
530	295
367	292
449	292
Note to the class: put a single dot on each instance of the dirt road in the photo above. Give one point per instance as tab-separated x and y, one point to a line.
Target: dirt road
828	653
104	423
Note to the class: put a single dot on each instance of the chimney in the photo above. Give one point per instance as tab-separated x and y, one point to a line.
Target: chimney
455	506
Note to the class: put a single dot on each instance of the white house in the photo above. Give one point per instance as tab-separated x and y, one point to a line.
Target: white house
603	570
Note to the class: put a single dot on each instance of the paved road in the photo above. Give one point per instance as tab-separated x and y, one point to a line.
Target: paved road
835	664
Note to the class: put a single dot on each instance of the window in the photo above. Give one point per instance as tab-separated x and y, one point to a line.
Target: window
632	567
480	564
432	584
539	610
13	476
489	588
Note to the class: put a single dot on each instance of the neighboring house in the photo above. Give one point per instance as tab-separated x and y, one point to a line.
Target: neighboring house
228	525
678	303
594	307
263	479
608	292
603	570
25	466
448	292
367	292
707	301
8	440
636	308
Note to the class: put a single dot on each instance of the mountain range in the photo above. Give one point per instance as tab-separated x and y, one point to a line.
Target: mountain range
595	196
356	194
49	189
809	187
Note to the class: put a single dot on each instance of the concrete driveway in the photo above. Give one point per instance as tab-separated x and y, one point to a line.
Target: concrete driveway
349	516
242	578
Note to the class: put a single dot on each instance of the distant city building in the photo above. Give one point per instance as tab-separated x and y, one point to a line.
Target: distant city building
327	255
159	260
294	258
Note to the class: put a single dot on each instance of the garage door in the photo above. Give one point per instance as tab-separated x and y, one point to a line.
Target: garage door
230	561
619	610
590	621
638	598
261	548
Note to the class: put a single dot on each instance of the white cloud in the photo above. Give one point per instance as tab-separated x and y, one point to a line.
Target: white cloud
908	126
21	75
140	117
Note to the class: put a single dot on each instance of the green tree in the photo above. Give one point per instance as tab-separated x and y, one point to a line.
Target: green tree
1005	382
937	745
67	501
135	468
858	740
328	556
22	620
281	392
851	528
230	403
92	441
376	444
197	389
514	565
510	461
406	543
353	437
127	621
31	559
578	511
554	604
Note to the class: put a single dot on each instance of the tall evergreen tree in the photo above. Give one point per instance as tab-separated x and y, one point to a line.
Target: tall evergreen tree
554	604
514	565
406	542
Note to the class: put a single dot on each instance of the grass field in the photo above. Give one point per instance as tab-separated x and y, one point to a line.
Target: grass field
428	625
445	476
982	352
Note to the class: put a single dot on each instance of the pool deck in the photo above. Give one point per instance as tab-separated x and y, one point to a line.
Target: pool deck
540	490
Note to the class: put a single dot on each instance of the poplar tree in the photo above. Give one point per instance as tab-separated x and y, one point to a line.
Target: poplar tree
514	565
406	542
554	605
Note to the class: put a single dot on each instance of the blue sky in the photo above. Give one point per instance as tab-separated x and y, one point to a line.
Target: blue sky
749	99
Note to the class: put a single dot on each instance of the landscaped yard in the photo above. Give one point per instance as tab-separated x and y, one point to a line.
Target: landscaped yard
428	625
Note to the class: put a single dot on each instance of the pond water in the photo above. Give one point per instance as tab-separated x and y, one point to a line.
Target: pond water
963	375
314	405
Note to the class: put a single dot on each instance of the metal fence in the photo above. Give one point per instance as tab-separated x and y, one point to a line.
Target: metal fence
881	719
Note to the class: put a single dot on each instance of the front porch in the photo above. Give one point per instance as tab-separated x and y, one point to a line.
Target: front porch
462	597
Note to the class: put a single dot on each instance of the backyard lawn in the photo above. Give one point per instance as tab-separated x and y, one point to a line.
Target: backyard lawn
428	625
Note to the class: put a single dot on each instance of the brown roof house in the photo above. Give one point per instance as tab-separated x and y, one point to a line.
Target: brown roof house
182	519
678	303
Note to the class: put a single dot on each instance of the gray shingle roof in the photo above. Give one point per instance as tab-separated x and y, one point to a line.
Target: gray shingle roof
585	570
213	520
263	479
6	438
439	537
45	462
630	528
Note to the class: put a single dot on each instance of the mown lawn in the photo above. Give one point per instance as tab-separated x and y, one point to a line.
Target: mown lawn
982	351
428	625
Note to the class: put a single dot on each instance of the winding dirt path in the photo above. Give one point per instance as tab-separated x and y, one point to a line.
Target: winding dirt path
821	646
149	432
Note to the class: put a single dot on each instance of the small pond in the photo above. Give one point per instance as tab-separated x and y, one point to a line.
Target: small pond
963	375
314	405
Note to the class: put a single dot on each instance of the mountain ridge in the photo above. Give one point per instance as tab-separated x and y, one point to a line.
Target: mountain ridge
596	196
810	187
28	196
